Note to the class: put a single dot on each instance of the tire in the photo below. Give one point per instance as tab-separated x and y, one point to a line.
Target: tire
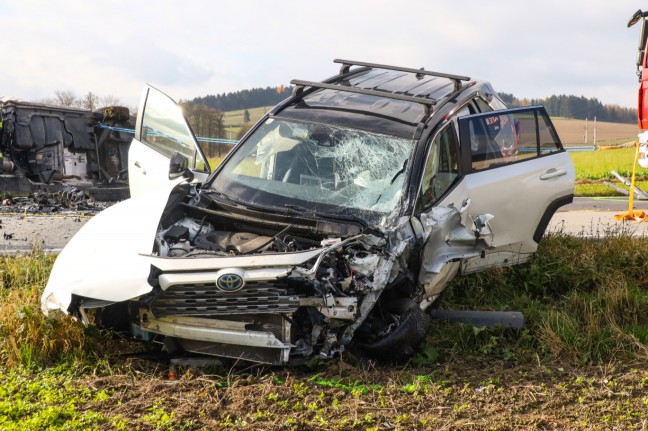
399	344
109	194
114	317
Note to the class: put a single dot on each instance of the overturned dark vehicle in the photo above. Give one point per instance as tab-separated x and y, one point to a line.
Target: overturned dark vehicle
49	148
335	224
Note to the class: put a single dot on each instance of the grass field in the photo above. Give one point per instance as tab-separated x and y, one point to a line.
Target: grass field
579	363
233	120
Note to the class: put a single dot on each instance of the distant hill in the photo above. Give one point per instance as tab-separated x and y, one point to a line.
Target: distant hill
577	107
245	99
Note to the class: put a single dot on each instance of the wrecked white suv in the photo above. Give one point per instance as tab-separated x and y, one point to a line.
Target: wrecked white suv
334	224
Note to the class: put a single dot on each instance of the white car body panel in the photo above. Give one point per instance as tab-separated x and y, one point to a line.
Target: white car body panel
107	258
504	192
148	170
148	165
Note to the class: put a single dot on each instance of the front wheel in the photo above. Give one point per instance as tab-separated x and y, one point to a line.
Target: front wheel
392	332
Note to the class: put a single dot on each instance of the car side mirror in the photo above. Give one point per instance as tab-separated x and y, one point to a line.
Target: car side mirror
179	166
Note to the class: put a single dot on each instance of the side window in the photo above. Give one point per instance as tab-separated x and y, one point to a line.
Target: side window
494	104
441	167
165	130
482	105
463	112
503	137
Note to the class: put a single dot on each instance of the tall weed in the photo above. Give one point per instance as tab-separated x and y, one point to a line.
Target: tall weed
27	337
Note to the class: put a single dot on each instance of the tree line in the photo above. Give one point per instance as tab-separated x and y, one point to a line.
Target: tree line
578	107
244	99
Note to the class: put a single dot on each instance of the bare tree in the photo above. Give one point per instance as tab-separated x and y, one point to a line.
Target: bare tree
90	101
109	100
205	122
48	101
65	98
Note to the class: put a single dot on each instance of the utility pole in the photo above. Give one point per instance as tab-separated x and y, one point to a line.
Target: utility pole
585	130
594	132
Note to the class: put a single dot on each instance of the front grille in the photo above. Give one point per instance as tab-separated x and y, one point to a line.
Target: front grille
207	300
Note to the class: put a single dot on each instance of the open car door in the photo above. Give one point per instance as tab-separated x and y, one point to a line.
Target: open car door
164	150
517	174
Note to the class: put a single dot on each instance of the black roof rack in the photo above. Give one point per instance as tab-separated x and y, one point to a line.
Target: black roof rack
346	65
427	102
299	85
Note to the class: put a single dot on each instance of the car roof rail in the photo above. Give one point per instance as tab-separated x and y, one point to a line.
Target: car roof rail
299	86
346	66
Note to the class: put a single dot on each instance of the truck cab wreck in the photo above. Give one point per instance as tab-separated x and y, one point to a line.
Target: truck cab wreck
334	224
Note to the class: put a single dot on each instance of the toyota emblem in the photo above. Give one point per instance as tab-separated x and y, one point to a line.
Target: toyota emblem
229	282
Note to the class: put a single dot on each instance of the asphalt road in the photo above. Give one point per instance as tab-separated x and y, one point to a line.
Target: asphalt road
594	217
603	204
587	217
22	233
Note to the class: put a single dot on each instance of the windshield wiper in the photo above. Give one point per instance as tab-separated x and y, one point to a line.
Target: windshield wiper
299	210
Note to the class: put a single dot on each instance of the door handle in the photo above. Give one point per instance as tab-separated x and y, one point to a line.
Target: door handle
552	173
138	165
465	205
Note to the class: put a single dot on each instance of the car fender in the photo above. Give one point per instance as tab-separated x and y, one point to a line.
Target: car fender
116	242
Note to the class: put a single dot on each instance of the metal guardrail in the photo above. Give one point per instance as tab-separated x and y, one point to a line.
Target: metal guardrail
580	148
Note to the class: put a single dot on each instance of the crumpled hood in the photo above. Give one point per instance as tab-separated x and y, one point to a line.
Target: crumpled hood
116	238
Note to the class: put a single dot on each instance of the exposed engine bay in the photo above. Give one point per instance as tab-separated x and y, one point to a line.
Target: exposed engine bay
310	294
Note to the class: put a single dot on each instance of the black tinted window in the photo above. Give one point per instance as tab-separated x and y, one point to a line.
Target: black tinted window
503	137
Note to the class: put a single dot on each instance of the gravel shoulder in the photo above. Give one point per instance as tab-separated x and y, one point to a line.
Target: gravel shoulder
50	233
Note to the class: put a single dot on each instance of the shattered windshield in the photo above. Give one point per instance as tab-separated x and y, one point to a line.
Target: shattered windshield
318	168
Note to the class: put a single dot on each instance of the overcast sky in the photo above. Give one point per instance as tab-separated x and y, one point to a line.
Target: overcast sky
193	48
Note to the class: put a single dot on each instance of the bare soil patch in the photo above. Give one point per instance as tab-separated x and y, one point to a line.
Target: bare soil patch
572	132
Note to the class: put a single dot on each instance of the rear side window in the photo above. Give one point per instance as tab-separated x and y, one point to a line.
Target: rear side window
498	138
441	167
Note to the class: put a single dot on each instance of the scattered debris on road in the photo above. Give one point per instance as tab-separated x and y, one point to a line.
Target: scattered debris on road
70	199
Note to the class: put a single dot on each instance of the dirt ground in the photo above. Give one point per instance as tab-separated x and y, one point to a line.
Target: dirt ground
454	396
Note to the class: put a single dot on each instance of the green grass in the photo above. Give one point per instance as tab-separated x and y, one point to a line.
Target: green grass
233	120
584	301
50	400
597	289
593	167
598	189
596	165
